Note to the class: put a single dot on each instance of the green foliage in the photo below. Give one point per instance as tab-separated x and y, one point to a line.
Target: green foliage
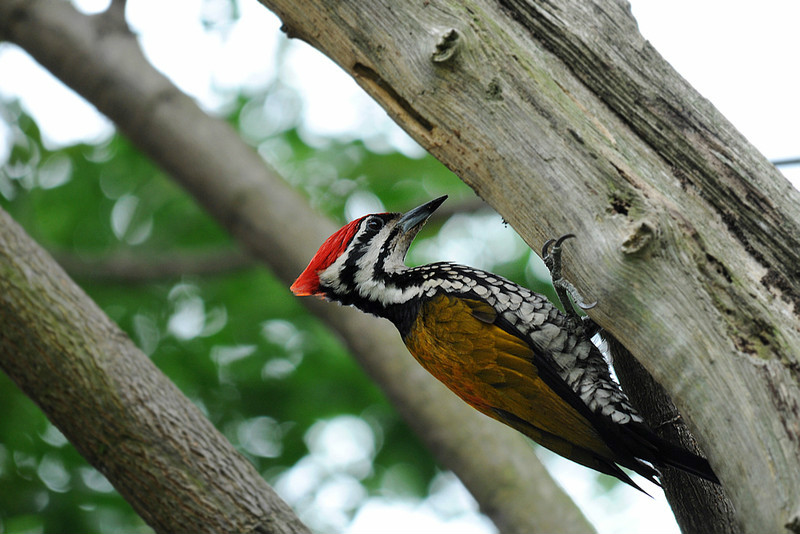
275	381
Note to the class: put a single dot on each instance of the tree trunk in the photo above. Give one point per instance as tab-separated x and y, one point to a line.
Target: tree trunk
98	58
700	507
564	119
121	413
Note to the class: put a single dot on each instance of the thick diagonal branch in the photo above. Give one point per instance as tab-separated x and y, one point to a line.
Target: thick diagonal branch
101	61
564	119
121	413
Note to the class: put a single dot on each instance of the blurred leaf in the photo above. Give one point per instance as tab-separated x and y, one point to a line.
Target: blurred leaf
237	343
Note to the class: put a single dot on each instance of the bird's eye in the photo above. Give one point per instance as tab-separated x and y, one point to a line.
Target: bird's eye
374	224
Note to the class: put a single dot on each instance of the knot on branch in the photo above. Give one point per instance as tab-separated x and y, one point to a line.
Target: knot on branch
641	237
446	47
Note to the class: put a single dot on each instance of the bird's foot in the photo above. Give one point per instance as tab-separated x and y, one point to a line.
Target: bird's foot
564	290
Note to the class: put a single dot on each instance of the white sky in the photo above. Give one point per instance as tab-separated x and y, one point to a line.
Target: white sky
741	57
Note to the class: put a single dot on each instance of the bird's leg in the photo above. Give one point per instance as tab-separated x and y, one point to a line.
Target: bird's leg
564	290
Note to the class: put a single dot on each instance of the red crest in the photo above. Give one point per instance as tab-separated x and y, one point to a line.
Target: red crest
308	282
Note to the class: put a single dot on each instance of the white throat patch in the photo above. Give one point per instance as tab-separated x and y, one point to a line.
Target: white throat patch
369	284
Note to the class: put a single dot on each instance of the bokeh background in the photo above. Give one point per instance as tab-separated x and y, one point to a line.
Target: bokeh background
275	381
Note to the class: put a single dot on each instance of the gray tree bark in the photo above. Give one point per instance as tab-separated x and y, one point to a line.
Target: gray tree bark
563	118
700	507
99	58
118	410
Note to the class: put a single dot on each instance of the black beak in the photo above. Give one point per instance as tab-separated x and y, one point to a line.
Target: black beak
418	216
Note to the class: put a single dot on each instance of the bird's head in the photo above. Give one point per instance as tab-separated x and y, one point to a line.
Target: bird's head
361	258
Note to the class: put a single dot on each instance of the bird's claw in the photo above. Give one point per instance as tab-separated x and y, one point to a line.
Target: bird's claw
551	258
564	290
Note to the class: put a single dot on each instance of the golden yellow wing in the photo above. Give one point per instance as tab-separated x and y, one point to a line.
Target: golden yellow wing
457	341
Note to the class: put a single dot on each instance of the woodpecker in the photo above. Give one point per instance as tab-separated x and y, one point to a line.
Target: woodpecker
505	350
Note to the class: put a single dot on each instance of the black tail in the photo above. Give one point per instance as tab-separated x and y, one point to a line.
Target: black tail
639	448
642	444
680	458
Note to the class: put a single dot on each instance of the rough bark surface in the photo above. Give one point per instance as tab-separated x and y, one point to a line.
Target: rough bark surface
98	58
700	506
564	119
118	410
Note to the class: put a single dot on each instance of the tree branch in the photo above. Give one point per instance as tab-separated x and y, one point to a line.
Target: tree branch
118	410
700	506
562	117
263	213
